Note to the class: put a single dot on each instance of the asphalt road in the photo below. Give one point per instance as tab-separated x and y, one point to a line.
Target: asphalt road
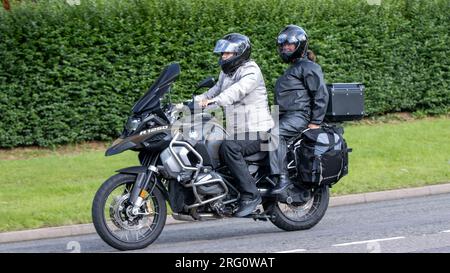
405	225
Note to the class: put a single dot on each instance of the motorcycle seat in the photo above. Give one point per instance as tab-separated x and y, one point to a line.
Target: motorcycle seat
256	157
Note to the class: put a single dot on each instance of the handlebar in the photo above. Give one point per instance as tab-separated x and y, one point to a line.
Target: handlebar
194	104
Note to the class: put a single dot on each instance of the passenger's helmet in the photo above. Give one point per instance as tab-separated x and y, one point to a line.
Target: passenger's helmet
292	34
236	43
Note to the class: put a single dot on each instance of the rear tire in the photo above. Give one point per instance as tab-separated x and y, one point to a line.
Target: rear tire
103	225
314	211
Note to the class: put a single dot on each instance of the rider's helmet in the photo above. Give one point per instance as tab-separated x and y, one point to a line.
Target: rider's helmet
292	34
239	45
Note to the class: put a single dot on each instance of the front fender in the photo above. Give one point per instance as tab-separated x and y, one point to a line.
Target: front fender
133	170
142	169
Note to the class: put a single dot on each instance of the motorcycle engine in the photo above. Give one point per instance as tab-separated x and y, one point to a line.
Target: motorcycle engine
211	184
172	167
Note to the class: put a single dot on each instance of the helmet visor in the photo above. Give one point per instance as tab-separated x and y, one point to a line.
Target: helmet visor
289	39
284	38
227	46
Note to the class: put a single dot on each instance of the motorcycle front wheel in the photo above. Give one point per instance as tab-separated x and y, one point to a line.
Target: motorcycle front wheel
113	218
300	216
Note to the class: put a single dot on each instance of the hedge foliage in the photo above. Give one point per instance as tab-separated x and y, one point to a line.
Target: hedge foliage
71	73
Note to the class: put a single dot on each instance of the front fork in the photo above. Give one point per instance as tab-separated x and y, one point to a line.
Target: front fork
139	193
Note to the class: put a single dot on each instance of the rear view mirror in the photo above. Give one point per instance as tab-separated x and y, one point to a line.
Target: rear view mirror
208	82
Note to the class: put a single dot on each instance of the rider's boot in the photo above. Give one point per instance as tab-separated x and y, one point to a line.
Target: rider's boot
283	183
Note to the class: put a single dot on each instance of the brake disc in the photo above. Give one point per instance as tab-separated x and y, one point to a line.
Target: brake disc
121	216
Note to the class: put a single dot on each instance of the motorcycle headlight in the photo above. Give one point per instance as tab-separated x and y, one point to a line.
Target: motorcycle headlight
133	124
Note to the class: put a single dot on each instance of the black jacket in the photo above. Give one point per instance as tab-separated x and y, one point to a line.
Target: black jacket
301	92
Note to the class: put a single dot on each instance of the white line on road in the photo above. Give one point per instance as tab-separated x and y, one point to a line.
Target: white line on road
446	231
370	241
292	251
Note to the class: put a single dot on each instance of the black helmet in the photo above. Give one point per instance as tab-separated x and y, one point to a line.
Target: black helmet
292	34
236	43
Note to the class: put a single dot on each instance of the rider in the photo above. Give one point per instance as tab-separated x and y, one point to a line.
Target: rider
301	95
240	89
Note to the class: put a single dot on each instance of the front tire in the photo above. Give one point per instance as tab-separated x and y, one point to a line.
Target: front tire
288	217
113	221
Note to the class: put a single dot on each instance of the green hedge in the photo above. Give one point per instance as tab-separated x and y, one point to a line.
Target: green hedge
71	73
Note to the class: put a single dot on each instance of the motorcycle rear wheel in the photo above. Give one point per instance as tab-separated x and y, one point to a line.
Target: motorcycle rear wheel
301	216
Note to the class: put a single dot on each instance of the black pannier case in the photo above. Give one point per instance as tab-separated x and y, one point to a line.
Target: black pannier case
346	102
320	156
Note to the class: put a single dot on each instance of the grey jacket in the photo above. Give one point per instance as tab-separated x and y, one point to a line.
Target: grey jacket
244	97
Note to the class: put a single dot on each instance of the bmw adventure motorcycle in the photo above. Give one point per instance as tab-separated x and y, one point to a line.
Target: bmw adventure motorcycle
182	168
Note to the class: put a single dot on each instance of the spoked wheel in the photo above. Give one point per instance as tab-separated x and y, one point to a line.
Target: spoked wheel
299	216
115	221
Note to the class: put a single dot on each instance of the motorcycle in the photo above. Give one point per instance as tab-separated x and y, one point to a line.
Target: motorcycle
182	169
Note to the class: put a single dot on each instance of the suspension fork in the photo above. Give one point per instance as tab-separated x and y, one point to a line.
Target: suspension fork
138	193
144	175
